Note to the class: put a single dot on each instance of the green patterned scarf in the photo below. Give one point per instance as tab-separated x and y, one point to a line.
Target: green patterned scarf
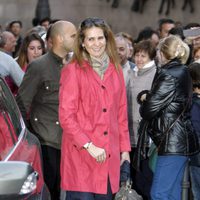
100	65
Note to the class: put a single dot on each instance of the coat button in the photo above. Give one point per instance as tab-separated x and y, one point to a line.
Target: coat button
104	110
36	119
105	133
103	87
57	122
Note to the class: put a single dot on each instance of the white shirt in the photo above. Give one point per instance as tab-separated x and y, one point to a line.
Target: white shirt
150	64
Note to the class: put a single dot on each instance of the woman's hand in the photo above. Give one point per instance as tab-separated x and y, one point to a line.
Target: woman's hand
141	97
124	156
97	153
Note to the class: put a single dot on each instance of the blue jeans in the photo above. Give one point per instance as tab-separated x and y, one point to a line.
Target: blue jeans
195	180
72	195
168	177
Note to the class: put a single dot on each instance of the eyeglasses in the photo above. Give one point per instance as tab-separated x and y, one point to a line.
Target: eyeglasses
89	22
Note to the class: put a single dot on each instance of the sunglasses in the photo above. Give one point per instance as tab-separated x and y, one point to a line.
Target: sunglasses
89	22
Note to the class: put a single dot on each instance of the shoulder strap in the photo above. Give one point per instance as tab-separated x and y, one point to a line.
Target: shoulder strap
167	131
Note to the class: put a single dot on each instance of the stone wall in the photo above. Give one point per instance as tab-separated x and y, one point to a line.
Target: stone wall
121	18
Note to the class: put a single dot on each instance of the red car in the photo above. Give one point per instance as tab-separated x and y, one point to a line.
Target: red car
21	172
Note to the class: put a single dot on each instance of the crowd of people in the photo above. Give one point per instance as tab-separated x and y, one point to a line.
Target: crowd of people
95	99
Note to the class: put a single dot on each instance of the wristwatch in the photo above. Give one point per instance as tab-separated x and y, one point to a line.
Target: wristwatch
87	145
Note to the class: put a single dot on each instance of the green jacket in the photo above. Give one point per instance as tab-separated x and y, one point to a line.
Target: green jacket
38	98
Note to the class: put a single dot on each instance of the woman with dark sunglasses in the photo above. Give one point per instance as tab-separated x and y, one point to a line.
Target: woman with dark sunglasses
93	115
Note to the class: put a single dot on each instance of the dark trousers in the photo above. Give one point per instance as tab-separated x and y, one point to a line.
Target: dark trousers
142	180
71	195
51	161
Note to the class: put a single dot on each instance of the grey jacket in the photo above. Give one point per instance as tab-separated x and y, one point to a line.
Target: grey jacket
38	98
140	81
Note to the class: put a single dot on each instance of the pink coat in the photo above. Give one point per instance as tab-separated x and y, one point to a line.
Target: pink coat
92	109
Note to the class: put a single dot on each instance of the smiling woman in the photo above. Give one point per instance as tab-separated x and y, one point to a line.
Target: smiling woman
32	47
105	41
94	42
93	115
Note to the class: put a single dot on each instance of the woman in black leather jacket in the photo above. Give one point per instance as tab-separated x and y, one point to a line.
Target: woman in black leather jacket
165	108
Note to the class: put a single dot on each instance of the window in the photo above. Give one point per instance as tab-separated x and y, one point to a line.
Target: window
10	125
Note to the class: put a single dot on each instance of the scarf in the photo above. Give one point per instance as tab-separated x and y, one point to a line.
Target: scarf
100	65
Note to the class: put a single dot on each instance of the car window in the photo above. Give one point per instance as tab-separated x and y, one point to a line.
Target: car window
10	124
7	140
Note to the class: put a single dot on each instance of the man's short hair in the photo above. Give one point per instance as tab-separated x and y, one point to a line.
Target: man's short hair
192	25
165	21
2	40
194	69
15	22
44	20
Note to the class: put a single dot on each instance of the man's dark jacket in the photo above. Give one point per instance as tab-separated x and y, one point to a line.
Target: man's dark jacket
38	98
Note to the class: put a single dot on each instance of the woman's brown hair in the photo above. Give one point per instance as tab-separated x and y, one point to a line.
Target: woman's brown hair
147	46
23	58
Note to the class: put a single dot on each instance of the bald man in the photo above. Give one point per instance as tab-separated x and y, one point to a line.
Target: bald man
8	42
38	99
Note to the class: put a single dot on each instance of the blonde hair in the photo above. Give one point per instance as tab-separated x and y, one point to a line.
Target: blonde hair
173	47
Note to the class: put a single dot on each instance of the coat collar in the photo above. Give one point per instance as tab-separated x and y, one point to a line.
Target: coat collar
87	67
172	63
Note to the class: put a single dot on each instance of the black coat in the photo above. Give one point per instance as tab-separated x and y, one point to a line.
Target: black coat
170	95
